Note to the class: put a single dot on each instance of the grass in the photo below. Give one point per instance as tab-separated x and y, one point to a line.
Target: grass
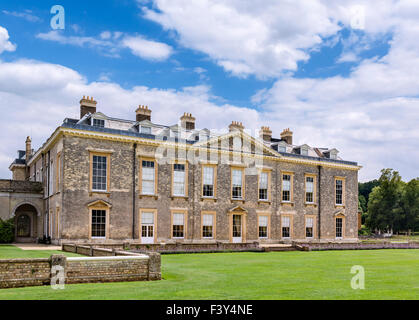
389	274
12	252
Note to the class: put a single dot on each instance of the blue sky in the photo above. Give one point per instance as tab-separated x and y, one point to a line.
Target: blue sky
325	70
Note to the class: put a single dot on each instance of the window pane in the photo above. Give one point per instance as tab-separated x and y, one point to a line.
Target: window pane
178	219
208	175
263	221
237	178
147	218
207	220
263	180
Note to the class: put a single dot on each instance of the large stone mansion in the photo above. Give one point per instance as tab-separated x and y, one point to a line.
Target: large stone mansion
101	179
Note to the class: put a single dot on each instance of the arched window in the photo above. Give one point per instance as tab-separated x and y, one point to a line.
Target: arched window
23	226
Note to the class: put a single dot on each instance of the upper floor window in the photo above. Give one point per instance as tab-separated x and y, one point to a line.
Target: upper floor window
148	177
286	187
339	189
264	186
99	173
282	148
179	179
304	151
51	178
237	184
208	181
309	189
99	123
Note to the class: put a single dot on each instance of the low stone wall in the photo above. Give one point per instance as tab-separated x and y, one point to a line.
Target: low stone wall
24	272
107	269
121	248
153	263
357	246
105	265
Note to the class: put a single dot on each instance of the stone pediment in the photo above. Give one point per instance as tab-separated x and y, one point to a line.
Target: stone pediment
99	204
238	209
238	141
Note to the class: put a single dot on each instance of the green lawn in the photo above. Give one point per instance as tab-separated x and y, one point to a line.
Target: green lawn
389	274
12	252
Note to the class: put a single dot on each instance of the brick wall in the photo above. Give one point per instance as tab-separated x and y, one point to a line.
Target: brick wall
107	269
24	272
107	266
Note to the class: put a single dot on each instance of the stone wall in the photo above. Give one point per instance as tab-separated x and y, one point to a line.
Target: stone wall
357	246
153	260
107	269
24	272
106	266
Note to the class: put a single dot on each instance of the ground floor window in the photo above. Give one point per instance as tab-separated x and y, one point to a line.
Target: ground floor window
178	225
286	225
263	226
339	225
208	226
98	223
309	227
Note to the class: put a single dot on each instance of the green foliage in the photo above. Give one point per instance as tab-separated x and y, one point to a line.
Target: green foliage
385	210
410	202
365	231
7	231
364	192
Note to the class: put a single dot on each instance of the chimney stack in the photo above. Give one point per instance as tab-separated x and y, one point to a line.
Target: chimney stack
187	122
286	135
87	105
143	113
236	126
28	152
265	133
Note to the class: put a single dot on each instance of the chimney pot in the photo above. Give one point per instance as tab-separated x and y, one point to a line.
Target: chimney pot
286	135
187	121
87	106
235	125
28	152
143	113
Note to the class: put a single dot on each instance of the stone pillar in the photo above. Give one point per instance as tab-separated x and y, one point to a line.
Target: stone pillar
154	266
58	265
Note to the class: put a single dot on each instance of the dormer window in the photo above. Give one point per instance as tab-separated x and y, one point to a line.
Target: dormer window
304	151
99	123
145	130
282	148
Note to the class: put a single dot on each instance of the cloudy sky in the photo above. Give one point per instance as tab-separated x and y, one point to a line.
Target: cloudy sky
341	74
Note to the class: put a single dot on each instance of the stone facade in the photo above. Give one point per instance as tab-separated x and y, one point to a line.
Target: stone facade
64	165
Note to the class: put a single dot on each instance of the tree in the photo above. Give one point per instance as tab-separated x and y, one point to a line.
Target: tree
411	205
365	189
385	210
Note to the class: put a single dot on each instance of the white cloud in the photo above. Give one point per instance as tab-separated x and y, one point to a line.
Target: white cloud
147	49
244	37
371	116
37	96
27	15
110	44
5	44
